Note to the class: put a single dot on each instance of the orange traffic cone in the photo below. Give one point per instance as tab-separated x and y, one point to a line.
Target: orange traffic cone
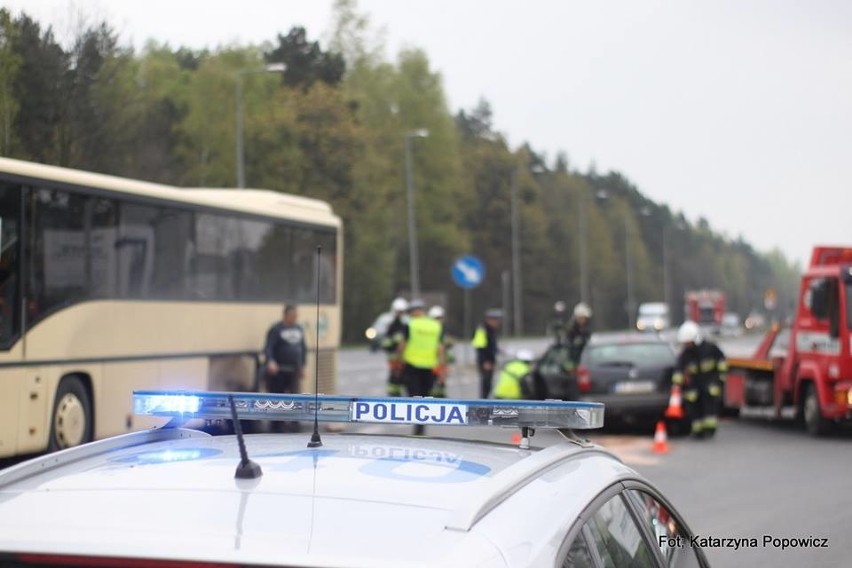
661	444
516	438
675	409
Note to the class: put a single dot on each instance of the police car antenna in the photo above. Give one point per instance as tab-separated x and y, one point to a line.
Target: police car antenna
316	441
247	469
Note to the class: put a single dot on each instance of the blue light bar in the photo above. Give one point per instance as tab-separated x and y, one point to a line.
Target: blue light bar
381	410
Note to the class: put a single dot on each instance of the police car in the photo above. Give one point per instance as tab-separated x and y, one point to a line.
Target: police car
178	497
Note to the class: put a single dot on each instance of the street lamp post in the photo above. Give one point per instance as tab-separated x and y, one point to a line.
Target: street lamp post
665	257
412	225
516	253
603	195
631	302
269	68
583	225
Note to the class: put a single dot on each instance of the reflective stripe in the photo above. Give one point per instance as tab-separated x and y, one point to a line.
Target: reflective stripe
692	368
714	390
722	366
708	365
710	423
677	378
691	395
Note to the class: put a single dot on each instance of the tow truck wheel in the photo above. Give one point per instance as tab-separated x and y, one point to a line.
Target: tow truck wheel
815	423
72	415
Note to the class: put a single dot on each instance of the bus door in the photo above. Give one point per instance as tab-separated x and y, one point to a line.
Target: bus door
10	316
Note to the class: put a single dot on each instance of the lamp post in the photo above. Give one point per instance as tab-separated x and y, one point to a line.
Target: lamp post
678	225
583	224
412	225
603	195
516	253
631	302
665	258
269	68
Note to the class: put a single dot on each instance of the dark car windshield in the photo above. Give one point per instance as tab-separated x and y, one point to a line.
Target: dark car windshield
639	354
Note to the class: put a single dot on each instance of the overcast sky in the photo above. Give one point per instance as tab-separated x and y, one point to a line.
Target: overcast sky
734	110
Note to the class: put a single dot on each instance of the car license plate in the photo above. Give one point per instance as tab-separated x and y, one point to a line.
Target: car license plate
634	387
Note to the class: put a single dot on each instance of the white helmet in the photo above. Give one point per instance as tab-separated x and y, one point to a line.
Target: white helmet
581	310
399	305
525	355
689	333
436	312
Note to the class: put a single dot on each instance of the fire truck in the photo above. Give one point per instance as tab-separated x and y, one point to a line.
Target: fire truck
804	371
705	307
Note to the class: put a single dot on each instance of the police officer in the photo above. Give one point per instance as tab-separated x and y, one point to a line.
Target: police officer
422	350
439	389
509	383
700	370
286	355
390	345
485	343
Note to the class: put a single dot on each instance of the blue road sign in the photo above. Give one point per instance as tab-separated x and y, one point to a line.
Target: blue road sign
468	271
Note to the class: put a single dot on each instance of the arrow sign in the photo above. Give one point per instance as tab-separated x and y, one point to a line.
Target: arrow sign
468	271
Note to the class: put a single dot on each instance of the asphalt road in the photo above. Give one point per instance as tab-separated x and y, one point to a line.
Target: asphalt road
755	480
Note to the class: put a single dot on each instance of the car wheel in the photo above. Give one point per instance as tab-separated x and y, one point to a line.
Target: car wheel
815	423
71	423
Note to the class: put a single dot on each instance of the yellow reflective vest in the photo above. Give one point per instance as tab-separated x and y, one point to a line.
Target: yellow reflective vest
424	339
509	384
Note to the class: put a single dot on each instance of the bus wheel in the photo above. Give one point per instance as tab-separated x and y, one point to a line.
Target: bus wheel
72	415
815	423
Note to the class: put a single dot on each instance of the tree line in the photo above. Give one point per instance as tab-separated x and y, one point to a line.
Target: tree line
334	126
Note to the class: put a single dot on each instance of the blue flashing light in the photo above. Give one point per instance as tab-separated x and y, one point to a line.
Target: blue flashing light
173	403
381	410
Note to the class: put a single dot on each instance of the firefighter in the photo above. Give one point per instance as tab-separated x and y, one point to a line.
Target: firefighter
509	383
439	390
578	334
700	370
390	344
422	351
485	342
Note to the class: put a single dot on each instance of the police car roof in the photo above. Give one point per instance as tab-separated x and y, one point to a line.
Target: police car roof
359	500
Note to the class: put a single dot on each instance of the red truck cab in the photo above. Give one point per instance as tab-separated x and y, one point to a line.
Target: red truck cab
804	372
706	308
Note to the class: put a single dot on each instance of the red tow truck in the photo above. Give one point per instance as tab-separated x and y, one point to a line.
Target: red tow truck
804	371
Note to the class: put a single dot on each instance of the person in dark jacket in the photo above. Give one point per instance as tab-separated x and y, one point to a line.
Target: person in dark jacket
485	343
700	370
286	355
390	344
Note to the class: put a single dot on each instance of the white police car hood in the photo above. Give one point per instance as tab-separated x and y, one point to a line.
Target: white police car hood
357	500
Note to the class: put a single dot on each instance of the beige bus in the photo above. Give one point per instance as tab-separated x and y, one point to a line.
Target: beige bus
109	285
